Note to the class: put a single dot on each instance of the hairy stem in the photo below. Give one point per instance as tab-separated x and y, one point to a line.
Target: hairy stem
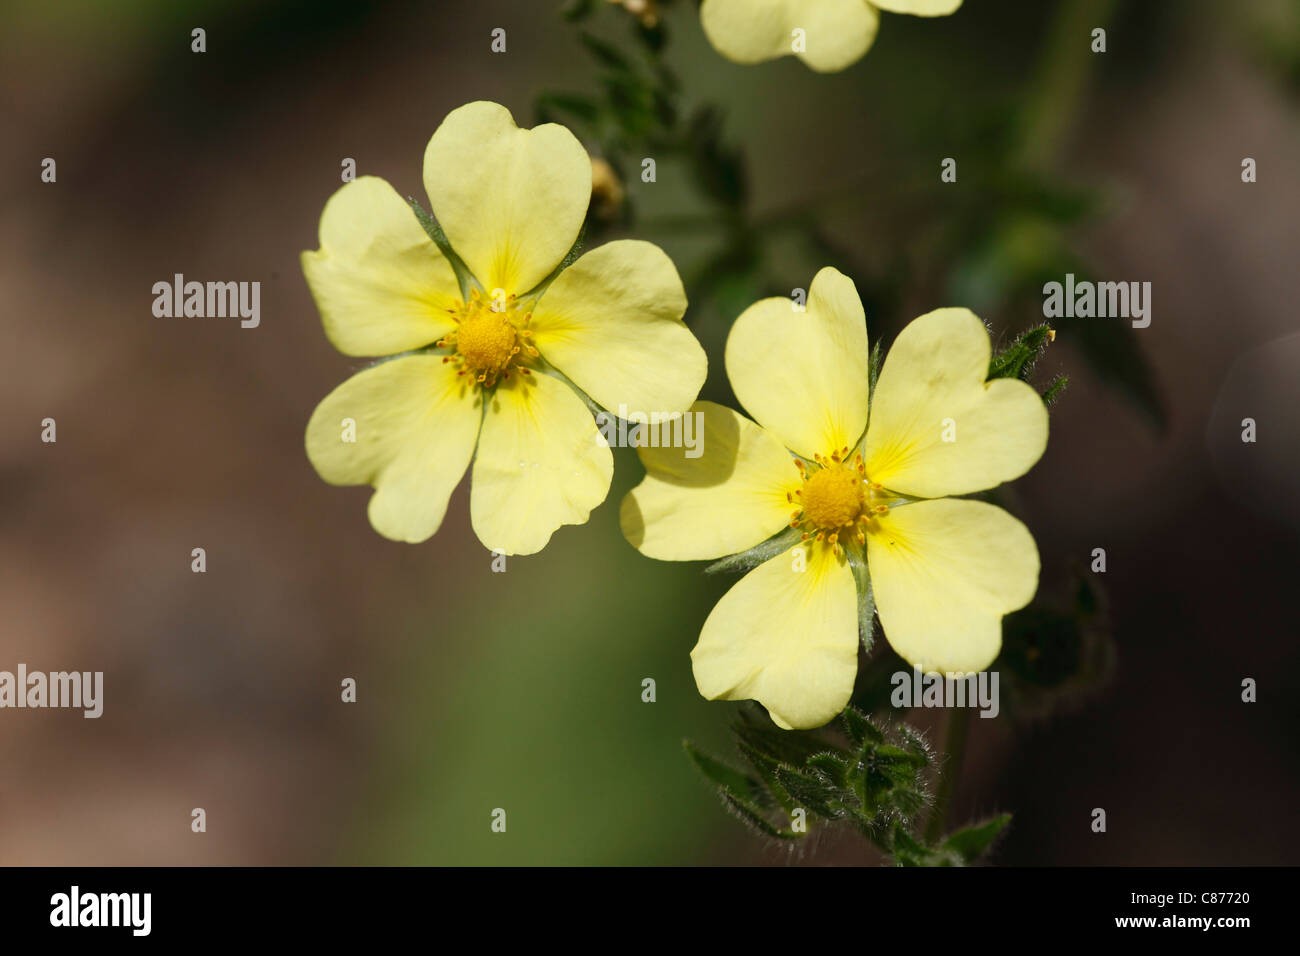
955	745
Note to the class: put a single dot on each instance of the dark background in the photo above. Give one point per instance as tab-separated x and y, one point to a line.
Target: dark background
522	690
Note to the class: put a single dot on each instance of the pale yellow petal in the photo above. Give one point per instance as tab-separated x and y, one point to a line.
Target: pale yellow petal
786	638
380	283
412	423
730	497
612	323
832	35
510	200
937	427
804	375
944	573
920	8
541	464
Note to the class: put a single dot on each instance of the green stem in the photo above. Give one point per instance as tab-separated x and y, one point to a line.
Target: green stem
955	745
1060	79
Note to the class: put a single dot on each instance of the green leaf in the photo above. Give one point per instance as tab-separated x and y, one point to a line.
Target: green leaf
1016	360
860	728
973	841
878	787
1054	390
605	54
832	766
809	791
908	851
750	815
767	768
728	778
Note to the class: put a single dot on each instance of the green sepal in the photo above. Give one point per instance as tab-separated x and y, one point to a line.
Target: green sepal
866	601
1018	358
972	842
745	560
873	371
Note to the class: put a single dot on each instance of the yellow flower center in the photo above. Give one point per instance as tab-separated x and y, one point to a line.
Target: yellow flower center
836	500
490	339
486	341
832	498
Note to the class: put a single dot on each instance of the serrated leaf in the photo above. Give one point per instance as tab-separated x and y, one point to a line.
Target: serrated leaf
750	815
766	767
916	743
860	728
973	841
908	851
809	792
887	755
1054	390
728	778
1016	360
832	766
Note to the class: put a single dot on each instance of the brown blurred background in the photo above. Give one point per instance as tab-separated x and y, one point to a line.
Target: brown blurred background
522	690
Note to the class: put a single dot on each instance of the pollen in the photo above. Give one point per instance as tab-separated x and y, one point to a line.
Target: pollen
837	502
832	498
490	339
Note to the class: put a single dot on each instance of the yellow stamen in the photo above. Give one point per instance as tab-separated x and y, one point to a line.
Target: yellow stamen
836	501
489	339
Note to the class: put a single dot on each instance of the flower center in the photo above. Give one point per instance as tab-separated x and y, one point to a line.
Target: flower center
832	498
490	339
836	499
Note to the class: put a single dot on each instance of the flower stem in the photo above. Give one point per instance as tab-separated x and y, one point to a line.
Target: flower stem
955	745
1060	79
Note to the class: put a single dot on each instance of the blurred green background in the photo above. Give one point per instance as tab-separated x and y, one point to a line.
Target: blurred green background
522	690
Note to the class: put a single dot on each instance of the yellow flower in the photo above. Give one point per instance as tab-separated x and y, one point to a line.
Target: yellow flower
477	381
943	570
828	35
